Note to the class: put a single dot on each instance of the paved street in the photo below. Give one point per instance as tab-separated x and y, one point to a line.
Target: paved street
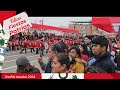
9	65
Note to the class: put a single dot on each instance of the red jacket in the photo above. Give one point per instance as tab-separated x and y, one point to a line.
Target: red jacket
32	44
24	44
29	43
16	42
84	57
13	43
49	42
66	41
37	44
41	45
55	41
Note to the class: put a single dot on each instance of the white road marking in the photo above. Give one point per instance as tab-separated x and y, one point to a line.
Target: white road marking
12	52
9	68
8	52
17	55
16	59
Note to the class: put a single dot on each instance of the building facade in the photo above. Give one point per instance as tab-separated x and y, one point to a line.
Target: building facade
84	28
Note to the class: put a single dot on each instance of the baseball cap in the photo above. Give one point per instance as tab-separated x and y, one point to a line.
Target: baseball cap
22	61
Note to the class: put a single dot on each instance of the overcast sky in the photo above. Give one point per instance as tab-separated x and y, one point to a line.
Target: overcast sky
62	21
58	21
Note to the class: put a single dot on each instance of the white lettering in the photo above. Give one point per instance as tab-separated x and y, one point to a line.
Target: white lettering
22	28
17	24
15	19
21	76
9	76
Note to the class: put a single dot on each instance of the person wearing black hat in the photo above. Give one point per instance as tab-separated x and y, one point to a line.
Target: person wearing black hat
24	66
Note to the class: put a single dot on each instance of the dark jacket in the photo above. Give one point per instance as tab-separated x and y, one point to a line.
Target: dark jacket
35	70
105	63
89	47
46	67
117	60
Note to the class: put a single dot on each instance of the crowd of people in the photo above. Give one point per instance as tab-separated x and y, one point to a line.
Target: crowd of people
67	54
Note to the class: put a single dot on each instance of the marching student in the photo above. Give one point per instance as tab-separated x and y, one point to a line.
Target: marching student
41	47
17	44
31	44
13	45
23	45
37	45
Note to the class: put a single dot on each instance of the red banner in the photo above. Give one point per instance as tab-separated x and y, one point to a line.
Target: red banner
48	75
20	76
101	76
47	27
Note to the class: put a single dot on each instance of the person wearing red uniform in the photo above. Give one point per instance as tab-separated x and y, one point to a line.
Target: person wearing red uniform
41	47
13	44
66	41
23	45
31	44
55	41
37	45
50	42
17	44
10	44
15	36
